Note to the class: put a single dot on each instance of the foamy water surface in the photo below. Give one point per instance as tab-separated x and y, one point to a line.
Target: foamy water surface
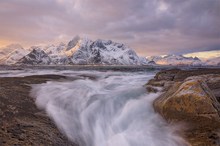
109	108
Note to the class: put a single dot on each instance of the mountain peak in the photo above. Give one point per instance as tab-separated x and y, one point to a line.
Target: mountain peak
72	43
36	56
172	59
104	52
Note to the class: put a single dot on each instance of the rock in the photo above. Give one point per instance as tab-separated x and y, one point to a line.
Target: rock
151	89
191	100
167	75
191	97
181	75
21	122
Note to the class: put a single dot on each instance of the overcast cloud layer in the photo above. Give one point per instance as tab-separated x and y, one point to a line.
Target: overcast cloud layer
148	26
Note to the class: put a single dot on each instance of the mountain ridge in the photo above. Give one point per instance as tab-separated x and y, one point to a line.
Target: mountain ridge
83	51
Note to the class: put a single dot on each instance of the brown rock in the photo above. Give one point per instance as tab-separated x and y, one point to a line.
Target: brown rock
192	97
151	89
191	100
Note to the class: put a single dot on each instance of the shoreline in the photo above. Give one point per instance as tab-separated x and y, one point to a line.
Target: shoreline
23	123
104	67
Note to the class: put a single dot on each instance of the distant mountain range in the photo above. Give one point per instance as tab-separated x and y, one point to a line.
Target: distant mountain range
181	60
84	51
176	60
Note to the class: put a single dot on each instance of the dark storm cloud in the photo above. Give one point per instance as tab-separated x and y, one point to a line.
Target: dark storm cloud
149	26
198	17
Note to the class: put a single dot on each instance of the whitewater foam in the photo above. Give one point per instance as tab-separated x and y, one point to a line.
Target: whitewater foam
111	109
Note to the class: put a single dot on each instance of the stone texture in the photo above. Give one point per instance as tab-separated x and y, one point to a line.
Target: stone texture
21	123
191	97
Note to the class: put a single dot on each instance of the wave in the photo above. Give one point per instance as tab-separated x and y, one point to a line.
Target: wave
109	109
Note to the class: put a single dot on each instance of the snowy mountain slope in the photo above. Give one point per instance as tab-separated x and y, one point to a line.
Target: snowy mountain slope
77	44
9	49
73	43
213	62
36	57
57	54
103	52
53	49
85	51
14	56
144	61
76	51
175	60
12	53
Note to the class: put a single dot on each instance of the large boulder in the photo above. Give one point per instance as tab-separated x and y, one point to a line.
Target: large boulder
191	100
191	97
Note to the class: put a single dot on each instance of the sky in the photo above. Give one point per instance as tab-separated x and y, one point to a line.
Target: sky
150	27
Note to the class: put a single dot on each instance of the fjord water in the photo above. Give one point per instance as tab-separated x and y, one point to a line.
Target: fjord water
105	109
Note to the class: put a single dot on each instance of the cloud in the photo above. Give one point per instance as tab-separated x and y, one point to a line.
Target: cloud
149	26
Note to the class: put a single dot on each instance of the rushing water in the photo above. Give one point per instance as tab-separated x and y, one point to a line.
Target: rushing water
104	109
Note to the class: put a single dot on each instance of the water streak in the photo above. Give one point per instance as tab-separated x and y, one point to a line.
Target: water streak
111	109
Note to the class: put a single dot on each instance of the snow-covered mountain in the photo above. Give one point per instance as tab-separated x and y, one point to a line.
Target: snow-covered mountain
12	53
84	51
14	56
57	54
103	52
175	60
88	52
213	61
36	57
8	49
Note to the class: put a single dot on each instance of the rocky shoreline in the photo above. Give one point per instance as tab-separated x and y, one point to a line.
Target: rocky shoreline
190	97
21	122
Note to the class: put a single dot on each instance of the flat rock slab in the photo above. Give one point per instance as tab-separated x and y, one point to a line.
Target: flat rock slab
21	122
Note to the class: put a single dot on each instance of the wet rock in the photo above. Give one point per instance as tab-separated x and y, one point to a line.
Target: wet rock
191	97
191	100
151	89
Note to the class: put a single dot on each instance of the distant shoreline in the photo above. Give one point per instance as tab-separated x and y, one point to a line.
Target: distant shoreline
104	67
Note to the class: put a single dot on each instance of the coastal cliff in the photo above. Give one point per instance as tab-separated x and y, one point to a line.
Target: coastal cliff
190	97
